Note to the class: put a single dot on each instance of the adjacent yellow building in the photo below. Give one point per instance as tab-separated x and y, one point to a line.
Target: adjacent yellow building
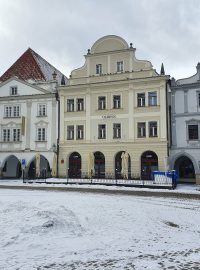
114	105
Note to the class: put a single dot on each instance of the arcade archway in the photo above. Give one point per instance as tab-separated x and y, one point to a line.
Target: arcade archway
74	165
149	163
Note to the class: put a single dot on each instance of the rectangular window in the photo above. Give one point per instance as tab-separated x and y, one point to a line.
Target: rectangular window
199	99
42	110
120	66
41	134
101	103
141	130
16	111
13	90
116	102
8	111
16	134
6	135
80	134
70	132
80	104
193	133
153	130
12	111
99	69
102	131
70	105
152	98
116	131
141	99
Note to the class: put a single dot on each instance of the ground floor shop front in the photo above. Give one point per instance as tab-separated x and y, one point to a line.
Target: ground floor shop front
132	161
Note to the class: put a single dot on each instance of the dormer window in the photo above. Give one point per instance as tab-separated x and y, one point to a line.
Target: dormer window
99	69
120	66
13	90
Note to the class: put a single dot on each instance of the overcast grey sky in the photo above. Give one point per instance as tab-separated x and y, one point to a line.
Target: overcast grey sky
61	31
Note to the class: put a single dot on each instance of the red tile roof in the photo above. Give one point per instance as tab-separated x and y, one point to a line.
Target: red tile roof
32	66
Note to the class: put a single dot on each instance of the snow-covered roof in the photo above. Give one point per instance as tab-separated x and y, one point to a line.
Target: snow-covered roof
31	66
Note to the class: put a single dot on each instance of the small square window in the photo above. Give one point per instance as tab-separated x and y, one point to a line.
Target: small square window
141	130
152	98
99	69
116	102
120	66
102	131
70	132
13	90
153	132
42	110
70	105
101	103
141	99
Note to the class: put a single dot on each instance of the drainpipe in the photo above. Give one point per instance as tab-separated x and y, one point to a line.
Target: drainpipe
58	138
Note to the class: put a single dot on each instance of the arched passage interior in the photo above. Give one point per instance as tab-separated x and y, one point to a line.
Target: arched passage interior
149	163
12	168
185	168
118	165
45	170
74	170
99	165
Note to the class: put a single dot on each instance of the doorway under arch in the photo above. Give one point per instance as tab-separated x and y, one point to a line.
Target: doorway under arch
118	166
185	169
12	168
45	170
149	163
74	170
99	165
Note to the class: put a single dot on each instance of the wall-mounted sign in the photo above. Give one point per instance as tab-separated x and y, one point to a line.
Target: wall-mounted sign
110	116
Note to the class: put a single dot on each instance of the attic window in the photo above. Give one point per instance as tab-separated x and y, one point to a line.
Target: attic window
13	90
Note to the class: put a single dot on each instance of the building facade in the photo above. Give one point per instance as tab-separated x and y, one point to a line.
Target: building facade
29	117
114	104
185	126
28	125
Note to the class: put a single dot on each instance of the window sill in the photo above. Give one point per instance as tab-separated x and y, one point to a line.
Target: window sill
11	142
41	141
8	117
41	116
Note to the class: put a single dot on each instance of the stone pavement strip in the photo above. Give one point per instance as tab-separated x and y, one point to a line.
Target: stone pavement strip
140	192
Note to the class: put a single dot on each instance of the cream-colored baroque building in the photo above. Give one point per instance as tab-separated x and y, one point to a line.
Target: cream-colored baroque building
113	105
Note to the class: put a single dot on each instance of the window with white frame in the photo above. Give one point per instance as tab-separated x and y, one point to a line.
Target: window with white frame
117	102
41	134
153	129
12	111
152	98
70	132
102	131
99	69
42	110
6	135
16	134
80	104
80	132
141	130
120	66
116	131
141	99
13	90
70	105
102	103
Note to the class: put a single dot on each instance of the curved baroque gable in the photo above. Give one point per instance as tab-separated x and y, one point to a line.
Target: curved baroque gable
109	43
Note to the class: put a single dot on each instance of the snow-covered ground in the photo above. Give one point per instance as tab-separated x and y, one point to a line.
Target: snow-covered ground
85	231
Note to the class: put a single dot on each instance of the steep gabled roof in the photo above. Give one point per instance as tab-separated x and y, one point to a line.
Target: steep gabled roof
31	66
